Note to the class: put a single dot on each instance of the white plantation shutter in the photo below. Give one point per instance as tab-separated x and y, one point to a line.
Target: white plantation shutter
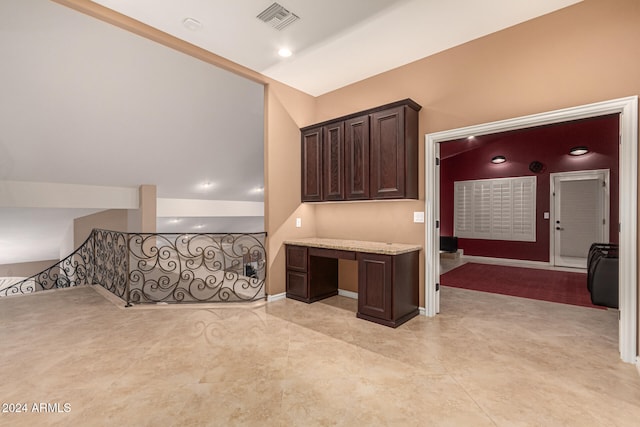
524	208
482	210
496	209
463	207
501	212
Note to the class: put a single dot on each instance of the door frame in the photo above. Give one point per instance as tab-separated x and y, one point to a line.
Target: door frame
582	174
628	211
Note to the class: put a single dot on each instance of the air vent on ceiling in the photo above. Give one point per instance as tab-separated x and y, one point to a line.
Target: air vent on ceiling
277	16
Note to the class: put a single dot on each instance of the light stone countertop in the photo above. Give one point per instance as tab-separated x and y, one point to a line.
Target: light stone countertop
355	245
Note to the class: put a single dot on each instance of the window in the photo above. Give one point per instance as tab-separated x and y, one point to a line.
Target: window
496	209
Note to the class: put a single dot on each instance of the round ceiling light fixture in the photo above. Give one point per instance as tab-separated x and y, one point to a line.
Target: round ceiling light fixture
498	159
579	151
285	52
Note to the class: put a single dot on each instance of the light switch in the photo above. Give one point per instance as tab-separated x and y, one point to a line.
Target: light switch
546	215
418	217
298	222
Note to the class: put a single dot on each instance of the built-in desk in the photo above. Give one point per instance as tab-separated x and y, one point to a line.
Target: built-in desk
387	275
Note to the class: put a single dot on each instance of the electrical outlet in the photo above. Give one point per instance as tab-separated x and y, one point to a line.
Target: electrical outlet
298	222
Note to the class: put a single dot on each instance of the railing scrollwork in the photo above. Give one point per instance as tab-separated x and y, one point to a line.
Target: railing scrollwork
161	268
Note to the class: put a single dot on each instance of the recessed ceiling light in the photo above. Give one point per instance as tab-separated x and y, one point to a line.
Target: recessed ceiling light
499	159
191	24
578	151
285	53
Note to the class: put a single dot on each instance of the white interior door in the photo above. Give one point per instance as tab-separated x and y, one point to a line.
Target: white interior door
580	215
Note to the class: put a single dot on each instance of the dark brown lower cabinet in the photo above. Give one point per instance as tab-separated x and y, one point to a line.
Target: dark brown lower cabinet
388	287
387	284
297	287
310	277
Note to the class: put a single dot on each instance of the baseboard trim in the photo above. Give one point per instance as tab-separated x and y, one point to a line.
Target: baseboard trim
348	294
521	263
505	260
638	364
423	311
276	297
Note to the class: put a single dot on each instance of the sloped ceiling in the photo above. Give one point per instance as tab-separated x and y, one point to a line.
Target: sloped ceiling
335	42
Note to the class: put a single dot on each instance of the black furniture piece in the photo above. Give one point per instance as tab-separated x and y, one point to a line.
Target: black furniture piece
602	274
449	244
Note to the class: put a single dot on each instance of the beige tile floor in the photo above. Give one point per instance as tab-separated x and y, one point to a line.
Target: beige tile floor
487	360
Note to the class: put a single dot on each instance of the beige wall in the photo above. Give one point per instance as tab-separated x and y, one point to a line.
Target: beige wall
144	219
286	111
348	275
25	269
112	219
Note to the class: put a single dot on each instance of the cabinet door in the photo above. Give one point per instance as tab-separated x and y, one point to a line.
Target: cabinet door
312	165
387	154
375	285
296	258
356	155
297	287
333	162
297	278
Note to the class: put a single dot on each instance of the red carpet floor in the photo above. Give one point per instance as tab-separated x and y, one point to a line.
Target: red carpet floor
545	285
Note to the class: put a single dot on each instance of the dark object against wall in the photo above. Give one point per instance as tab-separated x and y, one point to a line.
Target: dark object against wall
602	274
536	166
449	244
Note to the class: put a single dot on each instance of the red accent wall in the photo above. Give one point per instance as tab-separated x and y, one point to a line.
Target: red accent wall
547	144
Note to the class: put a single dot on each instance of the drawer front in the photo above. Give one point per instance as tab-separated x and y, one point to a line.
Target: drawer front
332	253
296	258
297	284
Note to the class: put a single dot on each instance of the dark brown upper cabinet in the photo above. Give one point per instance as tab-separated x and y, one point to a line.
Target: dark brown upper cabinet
394	154
333	161
371	154
356	157
312	165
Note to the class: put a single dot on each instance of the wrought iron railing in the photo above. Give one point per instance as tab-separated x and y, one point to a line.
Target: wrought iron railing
74	270
161	268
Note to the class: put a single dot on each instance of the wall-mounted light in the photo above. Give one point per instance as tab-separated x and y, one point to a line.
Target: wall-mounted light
498	159
579	151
